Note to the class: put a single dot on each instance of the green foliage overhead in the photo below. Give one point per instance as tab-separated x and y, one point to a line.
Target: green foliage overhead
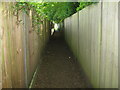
59	11
85	4
53	11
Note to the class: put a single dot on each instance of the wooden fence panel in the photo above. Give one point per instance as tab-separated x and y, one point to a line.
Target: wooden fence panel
1	34
73	33
98	43
95	43
109	53
21	47
74	37
118	44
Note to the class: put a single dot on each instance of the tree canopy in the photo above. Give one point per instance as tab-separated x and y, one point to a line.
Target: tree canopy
53	11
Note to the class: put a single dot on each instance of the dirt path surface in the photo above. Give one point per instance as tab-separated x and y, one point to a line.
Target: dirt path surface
59	68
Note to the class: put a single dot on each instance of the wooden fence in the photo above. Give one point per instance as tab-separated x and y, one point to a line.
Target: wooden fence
21	46
92	35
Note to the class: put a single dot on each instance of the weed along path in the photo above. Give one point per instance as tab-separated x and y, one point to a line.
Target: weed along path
59	69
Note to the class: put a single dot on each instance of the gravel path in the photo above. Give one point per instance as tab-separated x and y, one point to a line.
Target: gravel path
59	69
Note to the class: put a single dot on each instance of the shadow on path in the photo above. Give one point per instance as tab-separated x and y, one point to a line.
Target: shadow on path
59	69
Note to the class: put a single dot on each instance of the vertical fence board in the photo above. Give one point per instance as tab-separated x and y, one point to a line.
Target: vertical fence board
118	43
1	34
6	57
109	43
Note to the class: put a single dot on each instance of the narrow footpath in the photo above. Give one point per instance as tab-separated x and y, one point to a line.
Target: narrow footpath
59	68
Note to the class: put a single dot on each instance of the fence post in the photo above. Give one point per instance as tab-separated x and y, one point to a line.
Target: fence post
25	51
